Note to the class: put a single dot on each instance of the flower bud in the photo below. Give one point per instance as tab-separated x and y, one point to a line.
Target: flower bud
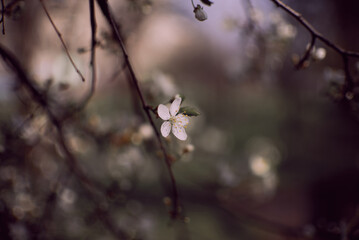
199	13
188	148
319	54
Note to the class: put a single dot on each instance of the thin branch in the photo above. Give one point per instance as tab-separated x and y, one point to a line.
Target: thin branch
193	4
93	189
62	40
3	16
93	57
103	4
38	97
93	45
304	59
317	35
312	30
106	11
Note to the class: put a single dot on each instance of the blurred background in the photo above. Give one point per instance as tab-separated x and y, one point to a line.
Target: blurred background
273	154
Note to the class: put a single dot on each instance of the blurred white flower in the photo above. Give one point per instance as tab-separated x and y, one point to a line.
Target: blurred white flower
146	131
259	165
199	13
68	196
319	54
188	148
286	31
178	123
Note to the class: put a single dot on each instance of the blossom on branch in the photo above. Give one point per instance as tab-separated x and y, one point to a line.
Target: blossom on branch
174	121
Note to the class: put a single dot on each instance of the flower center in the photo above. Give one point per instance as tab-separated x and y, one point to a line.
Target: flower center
177	120
173	120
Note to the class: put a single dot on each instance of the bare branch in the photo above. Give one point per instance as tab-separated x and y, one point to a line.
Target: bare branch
107	12
38	97
93	46
3	16
94	190
89	95
302	62
62	41
317	35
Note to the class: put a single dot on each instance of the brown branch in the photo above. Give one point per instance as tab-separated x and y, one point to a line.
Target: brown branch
103	4
91	92
93	189
107	12
116	30
62	40
317	35
12	62
3	16
93	46
302	62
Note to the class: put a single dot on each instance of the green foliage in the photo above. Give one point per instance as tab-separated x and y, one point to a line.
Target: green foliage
189	111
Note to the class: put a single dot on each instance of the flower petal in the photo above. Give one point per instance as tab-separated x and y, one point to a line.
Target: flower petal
175	106
163	112
181	120
179	132
165	128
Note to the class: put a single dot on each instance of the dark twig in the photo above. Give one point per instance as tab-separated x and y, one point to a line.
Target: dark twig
116	30
93	189
38	97
103	4
302	62
93	45
193	4
317	35
3	16
62	40
106	11
93	57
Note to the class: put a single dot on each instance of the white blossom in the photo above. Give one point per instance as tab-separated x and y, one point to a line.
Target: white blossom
319	54
174	121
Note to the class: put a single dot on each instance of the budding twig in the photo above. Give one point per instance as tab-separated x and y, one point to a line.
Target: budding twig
306	55
107	12
316	35
94	190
